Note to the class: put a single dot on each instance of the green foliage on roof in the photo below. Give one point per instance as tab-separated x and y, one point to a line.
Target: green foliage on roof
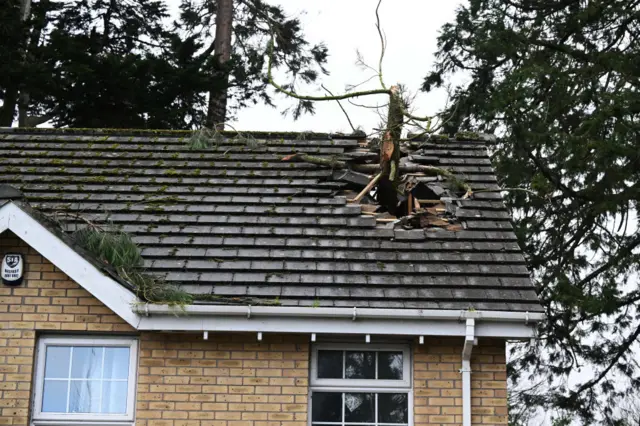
118	250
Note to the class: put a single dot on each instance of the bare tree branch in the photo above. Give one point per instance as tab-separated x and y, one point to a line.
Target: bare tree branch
342	108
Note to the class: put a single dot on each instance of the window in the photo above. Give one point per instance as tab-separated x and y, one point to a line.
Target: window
85	380
360	385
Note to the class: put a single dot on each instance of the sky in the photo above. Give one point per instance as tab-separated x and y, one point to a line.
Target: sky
345	26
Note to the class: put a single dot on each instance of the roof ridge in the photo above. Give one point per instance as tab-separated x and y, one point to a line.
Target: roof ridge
172	132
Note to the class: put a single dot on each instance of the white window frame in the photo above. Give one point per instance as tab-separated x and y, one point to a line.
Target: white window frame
406	366
43	418
363	385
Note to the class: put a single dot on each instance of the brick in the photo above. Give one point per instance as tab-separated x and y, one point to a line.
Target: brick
49	309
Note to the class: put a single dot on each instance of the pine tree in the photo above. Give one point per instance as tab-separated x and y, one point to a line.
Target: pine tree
217	108
243	73
119	63
558	81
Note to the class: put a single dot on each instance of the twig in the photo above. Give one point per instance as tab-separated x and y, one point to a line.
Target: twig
510	189
367	106
76	216
341	107
383	46
314	98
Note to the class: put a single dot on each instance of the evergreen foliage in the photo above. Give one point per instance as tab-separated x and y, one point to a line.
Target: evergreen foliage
121	63
558	81
254	23
120	252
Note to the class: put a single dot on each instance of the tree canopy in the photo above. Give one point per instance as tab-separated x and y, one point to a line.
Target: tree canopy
558	81
108	63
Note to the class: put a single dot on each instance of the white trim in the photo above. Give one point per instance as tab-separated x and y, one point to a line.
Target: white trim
84	419
104	288
275	322
361	383
282	311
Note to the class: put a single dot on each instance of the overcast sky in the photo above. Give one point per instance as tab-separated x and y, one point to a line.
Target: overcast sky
345	26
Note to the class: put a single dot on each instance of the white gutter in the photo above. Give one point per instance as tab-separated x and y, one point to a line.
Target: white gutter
353	313
469	341
278	319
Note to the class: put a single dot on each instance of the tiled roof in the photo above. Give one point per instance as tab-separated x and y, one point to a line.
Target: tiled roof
238	222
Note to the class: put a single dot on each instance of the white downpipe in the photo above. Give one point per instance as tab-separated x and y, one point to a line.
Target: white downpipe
281	311
467	349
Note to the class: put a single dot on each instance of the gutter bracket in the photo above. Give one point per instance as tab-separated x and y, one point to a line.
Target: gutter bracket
146	309
249	312
355	314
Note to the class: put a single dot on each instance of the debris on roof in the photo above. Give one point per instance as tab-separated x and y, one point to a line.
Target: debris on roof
422	195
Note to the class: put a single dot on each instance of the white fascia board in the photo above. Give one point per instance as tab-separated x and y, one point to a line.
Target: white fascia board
101	286
325	325
353	313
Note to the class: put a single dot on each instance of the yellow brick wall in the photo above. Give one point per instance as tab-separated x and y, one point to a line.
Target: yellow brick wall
47	301
228	380
437	383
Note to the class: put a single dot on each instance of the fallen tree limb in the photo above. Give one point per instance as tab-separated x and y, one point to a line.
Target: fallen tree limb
322	161
375	168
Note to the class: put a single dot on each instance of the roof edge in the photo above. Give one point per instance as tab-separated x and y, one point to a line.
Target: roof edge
407	322
103	287
171	133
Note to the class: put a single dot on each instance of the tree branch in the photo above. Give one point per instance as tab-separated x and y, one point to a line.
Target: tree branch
341	107
383	46
314	98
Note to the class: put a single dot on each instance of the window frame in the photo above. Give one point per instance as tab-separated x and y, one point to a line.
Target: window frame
362	385
40	417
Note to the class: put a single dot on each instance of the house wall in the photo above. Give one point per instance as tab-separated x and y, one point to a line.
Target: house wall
437	383
228	380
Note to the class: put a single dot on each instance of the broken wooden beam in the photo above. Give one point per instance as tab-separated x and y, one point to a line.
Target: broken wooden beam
367	188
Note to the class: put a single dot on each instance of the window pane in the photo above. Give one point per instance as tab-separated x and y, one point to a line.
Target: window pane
86	362
116	363
114	397
393	408
84	396
326	407
330	364
359	408
390	365
360	365
57	362
54	396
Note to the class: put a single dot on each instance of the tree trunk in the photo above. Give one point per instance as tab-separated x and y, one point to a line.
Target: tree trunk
390	163
39	22
8	109
217	108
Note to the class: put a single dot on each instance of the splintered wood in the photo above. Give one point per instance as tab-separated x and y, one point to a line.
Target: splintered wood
414	199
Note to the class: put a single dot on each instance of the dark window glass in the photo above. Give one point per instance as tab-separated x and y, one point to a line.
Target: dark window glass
359	408
326	407
390	365
393	408
360	365
330	364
